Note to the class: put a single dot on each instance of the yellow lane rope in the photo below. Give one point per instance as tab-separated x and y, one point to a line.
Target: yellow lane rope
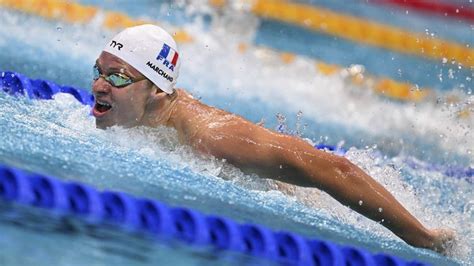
360	30
71	12
76	13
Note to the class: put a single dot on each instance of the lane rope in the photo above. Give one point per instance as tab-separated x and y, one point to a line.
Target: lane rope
123	211
360	30
445	9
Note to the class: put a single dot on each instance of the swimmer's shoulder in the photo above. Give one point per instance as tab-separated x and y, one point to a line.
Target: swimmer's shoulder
208	115
181	93
187	101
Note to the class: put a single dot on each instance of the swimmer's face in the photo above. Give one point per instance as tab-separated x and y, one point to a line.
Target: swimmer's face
124	106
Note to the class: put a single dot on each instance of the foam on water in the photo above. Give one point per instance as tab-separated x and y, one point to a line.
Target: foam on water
59	137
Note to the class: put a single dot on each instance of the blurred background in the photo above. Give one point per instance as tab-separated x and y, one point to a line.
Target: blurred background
388	83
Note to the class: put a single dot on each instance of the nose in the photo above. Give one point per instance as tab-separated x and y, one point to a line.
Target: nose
100	86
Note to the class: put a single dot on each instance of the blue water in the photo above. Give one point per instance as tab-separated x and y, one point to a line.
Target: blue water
59	138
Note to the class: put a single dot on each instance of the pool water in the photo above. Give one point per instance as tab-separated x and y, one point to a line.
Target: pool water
59	138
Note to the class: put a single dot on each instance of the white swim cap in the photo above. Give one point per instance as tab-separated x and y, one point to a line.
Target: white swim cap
151	51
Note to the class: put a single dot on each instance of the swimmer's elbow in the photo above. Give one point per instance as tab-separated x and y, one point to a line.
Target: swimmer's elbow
346	174
323	171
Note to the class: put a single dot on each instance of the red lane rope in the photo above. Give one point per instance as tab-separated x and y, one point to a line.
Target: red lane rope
442	8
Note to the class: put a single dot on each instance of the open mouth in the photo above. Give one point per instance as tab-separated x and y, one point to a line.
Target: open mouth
100	108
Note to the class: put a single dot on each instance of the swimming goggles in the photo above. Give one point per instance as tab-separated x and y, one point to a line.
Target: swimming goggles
117	80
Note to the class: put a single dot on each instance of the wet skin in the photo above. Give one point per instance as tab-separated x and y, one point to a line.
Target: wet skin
254	148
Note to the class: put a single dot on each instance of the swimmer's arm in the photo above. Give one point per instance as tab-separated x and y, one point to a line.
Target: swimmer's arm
293	160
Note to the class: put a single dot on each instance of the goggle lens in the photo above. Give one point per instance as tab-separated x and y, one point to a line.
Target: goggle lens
96	73
116	79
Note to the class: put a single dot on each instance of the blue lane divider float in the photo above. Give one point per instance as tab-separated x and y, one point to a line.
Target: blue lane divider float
156	218
190	226
16	84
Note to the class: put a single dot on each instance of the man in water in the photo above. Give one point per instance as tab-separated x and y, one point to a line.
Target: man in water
134	80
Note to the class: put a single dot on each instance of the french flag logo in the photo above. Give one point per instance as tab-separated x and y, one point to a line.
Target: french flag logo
169	57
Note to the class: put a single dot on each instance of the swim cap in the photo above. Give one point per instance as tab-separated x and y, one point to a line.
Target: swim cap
151	51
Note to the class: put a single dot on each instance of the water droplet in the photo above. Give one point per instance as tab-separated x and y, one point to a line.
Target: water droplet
58	28
361	202
445	60
415	88
281	166
451	73
380	210
468	208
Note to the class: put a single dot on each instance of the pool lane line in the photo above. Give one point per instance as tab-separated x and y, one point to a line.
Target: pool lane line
358	30
72	12
440	8
123	211
76	13
356	75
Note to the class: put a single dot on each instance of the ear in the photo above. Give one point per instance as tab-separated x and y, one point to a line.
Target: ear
156	95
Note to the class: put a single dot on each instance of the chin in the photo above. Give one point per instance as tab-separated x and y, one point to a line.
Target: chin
100	124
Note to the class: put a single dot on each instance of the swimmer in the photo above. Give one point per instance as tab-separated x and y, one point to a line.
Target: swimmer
134	79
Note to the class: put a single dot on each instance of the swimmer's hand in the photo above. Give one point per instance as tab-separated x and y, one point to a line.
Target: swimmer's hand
443	240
